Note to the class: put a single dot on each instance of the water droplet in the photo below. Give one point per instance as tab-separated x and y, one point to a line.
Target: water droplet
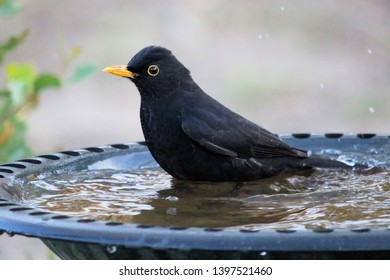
371	109
263	36
369	51
282	8
264	253
374	151
322	86
111	249
172	198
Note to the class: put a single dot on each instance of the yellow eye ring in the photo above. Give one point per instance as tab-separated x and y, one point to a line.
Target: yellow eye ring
153	70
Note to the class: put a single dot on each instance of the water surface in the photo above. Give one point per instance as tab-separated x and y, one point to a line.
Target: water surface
307	200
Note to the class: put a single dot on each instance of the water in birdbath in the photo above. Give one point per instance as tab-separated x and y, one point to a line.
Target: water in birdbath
307	200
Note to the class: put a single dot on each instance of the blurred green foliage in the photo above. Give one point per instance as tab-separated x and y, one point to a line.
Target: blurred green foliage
22	90
8	8
11	43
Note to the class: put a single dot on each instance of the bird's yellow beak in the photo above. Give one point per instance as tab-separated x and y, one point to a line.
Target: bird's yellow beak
120	70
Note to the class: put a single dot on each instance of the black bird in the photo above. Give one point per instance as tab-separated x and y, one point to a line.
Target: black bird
194	137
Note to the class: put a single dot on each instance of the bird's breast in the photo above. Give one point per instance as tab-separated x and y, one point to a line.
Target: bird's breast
161	127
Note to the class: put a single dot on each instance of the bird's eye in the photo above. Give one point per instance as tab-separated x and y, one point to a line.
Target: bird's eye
153	70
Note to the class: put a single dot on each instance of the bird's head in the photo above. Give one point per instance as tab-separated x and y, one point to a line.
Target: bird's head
154	70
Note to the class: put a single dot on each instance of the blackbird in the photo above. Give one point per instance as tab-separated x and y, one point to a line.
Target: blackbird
194	137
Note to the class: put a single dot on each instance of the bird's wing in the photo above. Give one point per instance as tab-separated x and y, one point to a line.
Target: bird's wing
232	135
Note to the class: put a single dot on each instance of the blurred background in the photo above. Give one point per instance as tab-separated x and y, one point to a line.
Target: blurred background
290	66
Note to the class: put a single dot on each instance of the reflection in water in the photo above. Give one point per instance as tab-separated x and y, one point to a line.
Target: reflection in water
315	199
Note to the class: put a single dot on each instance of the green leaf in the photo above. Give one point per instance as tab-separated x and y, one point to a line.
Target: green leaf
9	8
44	81
81	72
16	71
20	81
12	43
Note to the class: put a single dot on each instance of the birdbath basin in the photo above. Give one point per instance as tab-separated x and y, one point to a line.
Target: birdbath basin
114	202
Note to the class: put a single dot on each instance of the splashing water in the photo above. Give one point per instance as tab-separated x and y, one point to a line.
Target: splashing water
306	200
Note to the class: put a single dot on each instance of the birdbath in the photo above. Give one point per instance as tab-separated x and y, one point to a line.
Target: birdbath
115	202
